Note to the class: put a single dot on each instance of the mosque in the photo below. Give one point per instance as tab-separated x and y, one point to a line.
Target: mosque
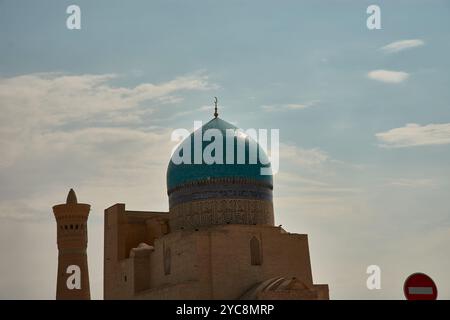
218	240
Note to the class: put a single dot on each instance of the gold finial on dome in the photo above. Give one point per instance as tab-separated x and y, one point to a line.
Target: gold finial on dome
215	108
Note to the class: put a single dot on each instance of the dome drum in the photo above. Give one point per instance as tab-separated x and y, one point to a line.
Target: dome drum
221	188
206	213
202	195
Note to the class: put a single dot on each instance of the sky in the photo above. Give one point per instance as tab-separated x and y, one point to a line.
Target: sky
364	120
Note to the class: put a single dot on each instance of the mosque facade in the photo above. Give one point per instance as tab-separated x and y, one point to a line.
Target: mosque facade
217	241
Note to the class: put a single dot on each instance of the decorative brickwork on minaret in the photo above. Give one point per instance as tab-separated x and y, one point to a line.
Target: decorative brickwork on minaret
73	276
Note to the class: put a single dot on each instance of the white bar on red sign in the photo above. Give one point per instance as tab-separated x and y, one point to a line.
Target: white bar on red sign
420	290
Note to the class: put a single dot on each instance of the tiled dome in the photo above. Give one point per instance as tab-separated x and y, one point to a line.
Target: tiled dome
182	174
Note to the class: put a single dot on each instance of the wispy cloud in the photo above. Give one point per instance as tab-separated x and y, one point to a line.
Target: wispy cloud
55	98
415	135
178	114
412	183
401	45
289	106
302	157
35	105
388	76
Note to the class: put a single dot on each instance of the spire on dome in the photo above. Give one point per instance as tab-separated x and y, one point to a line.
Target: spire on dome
215	108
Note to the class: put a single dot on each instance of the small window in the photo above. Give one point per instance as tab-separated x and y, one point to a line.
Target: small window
125	278
76	227
65	227
71	227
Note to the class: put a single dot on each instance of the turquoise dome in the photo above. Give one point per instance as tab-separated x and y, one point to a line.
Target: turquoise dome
183	173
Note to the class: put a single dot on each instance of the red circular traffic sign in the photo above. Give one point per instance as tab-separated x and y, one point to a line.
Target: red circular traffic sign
419	286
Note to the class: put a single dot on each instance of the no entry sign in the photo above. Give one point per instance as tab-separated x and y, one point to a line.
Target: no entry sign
419	286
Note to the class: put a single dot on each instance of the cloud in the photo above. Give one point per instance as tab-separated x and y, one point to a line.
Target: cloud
415	135
413	183
37	104
302	157
314	175
54	98
388	76
200	110
400	45
289	106
97	162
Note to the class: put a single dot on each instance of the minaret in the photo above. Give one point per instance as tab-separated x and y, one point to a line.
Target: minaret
73	277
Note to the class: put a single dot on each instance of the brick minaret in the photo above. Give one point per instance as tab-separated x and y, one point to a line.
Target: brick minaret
73	277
